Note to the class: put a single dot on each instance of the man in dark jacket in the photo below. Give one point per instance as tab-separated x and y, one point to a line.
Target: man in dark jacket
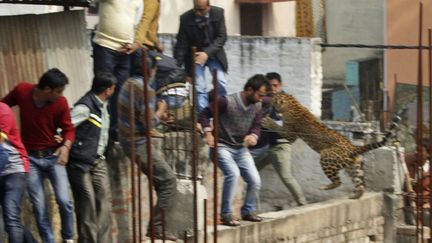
203	27
87	169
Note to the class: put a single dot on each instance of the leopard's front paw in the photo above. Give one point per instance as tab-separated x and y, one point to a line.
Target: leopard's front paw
267	122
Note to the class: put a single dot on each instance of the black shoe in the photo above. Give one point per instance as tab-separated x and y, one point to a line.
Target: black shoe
159	236
228	220
252	217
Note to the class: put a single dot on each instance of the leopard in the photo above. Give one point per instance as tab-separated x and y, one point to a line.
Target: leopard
336	151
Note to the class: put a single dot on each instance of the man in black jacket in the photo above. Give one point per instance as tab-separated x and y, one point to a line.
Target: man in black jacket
87	168
203	27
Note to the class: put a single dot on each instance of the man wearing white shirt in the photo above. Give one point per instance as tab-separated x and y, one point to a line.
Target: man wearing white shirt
118	20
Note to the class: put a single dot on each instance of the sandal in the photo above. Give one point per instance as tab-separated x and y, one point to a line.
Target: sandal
252	217
230	221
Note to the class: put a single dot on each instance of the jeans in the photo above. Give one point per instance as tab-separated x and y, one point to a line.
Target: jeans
118	64
234	162
39	167
279	156
92	194
164	180
201	82
12	188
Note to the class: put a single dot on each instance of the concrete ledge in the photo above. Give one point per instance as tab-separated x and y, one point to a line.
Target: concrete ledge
337	220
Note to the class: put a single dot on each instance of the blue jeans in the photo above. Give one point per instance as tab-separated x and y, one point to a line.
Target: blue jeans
12	188
235	162
201	82
39	167
118	64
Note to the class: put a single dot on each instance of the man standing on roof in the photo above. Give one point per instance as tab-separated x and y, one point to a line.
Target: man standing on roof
203	27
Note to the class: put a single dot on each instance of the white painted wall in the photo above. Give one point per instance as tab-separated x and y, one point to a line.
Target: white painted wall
351	21
279	19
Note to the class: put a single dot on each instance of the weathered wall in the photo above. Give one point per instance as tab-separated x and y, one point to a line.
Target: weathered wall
402	28
298	60
334	221
382	173
349	22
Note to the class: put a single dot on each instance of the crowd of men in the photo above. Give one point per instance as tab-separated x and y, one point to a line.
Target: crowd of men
69	147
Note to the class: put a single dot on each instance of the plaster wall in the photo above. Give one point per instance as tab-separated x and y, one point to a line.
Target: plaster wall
351	22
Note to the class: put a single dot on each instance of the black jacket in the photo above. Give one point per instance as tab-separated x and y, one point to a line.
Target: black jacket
83	153
190	34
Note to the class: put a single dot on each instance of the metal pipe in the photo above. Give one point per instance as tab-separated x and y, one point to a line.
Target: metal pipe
163	225
205	220
215	154
430	126
148	143
132	158
419	147
194	150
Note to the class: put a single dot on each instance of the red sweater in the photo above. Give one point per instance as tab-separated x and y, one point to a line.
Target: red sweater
39	124
16	151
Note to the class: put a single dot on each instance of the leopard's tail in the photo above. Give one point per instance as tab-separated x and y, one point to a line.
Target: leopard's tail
388	136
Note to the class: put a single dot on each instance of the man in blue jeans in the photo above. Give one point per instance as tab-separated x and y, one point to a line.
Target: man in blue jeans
240	117
43	110
14	167
203	27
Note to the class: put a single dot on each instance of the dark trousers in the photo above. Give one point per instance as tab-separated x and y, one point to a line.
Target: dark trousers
92	196
164	180
118	64
12	188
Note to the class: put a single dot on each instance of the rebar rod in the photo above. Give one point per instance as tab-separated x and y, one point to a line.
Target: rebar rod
148	143
132	158
215	152
419	167
430	126
194	149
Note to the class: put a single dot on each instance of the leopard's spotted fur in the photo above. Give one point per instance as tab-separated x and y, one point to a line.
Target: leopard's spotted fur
336	151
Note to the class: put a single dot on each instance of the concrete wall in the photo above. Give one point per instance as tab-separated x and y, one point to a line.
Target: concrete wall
298	60
279	19
382	173
334	221
402	28
349	22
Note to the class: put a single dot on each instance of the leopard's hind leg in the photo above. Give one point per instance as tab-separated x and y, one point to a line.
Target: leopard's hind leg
354	170
331	170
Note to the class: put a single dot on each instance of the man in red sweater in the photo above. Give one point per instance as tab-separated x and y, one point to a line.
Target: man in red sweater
14	166
43	111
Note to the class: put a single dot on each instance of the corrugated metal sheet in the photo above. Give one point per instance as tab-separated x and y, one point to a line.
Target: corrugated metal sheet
71	3
31	44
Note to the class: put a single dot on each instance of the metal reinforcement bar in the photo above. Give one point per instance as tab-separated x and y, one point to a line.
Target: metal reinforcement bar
148	145
419	140
205	221
397	47
430	125
132	158
194	150
215	153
